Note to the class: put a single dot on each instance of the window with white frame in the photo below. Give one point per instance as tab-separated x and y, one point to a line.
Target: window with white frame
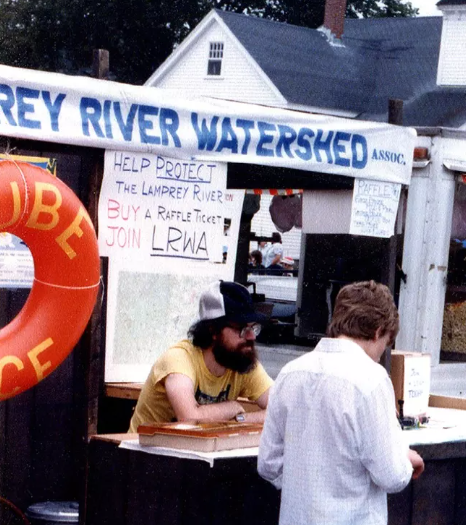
214	65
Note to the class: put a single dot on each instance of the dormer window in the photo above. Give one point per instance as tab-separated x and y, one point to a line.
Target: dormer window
214	66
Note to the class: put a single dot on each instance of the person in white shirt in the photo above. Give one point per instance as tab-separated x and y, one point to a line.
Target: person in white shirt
274	252
331	440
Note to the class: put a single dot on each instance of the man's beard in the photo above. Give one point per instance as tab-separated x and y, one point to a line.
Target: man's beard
243	359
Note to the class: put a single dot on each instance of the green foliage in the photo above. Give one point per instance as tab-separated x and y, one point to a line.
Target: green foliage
60	35
377	9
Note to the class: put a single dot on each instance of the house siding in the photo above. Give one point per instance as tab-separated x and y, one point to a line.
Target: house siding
452	62
239	79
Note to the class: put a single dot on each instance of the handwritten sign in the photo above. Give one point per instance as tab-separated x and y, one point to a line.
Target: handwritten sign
374	209
158	207
410	374
169	227
417	381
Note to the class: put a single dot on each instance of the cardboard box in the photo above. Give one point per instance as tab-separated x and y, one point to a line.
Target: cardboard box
410	374
203	437
457	403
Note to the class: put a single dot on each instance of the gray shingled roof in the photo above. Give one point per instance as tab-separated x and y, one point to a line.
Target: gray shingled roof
382	58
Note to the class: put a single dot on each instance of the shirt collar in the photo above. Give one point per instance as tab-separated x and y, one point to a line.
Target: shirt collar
328	344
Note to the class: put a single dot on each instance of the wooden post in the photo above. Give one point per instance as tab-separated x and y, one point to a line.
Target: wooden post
95	382
94	336
395	116
100	63
395	111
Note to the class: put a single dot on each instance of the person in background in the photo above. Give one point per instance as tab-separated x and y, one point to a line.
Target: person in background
331	440
202	378
263	246
287	263
226	233
255	258
274	253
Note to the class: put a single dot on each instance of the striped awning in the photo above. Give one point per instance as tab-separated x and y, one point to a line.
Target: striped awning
274	192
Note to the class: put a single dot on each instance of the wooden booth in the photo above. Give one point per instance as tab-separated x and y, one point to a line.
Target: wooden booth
61	440
127	487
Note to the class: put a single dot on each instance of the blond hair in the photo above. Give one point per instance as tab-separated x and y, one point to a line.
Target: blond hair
361	309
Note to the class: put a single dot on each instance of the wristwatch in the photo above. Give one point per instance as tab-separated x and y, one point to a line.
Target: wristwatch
241	418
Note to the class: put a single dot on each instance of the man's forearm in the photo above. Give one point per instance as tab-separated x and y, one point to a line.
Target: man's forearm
223	411
254	417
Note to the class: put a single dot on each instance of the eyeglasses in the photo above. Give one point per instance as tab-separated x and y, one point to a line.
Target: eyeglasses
248	329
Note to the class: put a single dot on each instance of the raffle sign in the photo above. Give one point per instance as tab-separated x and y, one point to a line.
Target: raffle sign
374	210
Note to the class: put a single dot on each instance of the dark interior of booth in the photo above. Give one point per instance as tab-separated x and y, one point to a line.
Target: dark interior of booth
328	261
453	343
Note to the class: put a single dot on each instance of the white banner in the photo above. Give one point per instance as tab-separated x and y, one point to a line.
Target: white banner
98	113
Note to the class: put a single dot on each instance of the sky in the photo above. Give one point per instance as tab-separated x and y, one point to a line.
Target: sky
426	7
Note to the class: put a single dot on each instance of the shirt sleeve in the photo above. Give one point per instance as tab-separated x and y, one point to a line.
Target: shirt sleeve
256	383
174	361
271	447
383	451
279	249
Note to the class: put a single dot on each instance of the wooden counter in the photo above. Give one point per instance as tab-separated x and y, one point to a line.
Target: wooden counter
123	390
128	487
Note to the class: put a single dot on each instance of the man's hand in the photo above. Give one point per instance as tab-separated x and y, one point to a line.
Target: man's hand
258	416
417	462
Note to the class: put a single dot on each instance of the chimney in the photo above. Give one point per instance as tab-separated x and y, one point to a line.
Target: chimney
334	19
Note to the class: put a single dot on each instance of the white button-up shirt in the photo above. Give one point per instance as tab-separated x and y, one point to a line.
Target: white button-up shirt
331	440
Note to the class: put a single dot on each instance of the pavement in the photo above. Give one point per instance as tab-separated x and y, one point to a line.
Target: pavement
274	357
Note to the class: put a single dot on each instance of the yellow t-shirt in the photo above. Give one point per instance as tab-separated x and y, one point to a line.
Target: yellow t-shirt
185	358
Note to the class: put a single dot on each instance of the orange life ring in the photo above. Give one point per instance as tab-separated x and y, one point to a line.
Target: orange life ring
50	219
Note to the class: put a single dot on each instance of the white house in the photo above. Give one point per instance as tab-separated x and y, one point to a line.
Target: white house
245	58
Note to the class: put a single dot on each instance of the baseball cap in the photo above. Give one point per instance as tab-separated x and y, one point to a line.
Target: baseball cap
230	300
287	260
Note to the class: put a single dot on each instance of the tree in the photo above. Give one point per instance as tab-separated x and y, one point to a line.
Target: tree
377	9
310	13
60	35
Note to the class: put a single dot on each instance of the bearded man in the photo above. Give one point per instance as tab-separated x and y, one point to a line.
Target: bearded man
201	378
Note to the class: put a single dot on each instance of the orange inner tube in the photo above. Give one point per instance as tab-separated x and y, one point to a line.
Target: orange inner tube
50	219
